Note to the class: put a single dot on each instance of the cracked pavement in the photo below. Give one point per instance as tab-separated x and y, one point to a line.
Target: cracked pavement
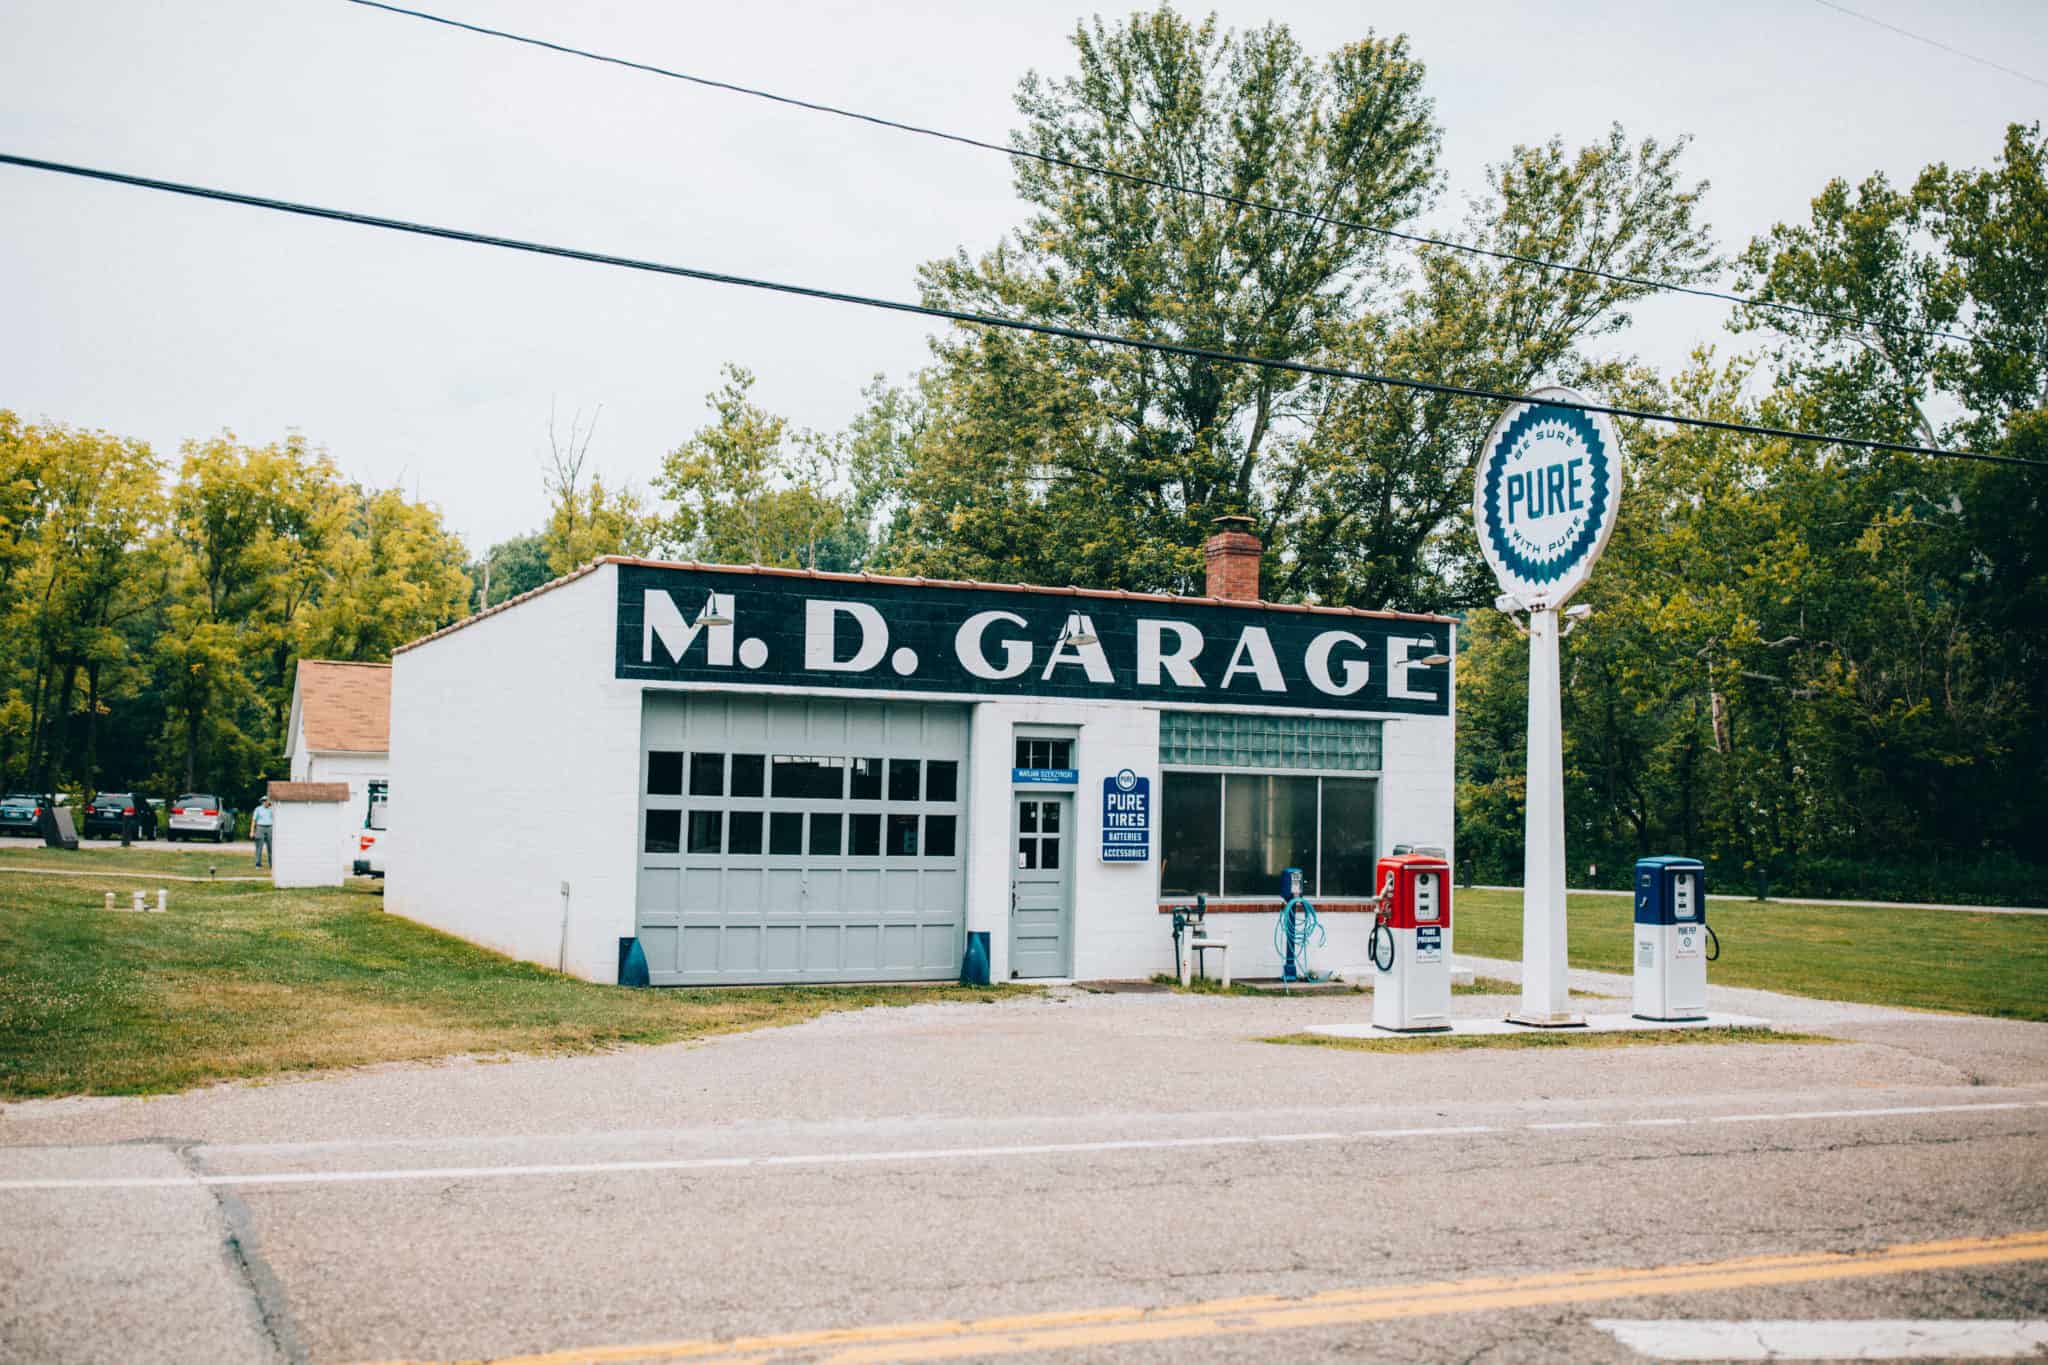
1063	1152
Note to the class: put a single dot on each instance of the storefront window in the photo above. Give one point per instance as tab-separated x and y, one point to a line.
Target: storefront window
1231	834
1191	834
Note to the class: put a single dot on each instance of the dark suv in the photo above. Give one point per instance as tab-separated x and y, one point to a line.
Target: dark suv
105	812
21	813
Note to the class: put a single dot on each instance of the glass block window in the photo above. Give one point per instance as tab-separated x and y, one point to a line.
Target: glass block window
1205	739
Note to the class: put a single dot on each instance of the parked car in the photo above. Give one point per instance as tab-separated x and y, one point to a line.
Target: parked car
105	812
197	815
22	813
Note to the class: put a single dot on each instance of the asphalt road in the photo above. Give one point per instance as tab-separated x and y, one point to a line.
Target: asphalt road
1109	1177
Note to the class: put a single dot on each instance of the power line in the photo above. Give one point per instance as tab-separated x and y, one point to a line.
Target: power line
1153	182
1931	42
982	319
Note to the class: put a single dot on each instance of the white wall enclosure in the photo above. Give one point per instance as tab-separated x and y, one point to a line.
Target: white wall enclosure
769	775
306	838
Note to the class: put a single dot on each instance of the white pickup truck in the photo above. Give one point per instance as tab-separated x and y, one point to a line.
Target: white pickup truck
370	839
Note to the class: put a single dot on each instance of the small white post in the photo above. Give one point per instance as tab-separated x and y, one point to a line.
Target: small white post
110	900
1546	1000
163	900
138	903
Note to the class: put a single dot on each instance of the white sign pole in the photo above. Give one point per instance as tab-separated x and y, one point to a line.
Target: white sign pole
1545	997
1545	496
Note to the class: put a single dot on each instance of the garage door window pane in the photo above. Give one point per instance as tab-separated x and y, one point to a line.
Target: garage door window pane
942	780
864	835
1348	837
803	776
744	829
664	831
1269	823
785	834
938	836
825	833
1191	834
746	774
664	773
903	779
707	774
867	779
704	830
903	836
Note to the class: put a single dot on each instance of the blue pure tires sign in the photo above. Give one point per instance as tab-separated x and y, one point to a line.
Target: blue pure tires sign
1126	818
1546	495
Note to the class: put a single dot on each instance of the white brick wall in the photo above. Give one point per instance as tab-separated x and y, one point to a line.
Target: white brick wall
514	758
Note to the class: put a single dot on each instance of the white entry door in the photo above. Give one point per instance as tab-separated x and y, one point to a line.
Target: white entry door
1041	886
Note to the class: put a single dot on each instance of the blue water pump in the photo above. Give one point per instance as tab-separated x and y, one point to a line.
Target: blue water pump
1298	927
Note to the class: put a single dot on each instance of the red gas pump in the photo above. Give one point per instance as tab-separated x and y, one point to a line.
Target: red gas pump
1411	989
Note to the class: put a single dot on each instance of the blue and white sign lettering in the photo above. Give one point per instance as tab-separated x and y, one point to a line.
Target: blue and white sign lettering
1044	777
1126	818
1545	496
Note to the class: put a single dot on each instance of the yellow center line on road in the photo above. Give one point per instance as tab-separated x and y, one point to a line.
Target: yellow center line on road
1111	1326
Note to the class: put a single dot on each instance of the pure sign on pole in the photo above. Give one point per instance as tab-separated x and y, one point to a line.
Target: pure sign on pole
1544	502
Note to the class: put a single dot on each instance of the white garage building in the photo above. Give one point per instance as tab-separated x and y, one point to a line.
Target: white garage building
769	775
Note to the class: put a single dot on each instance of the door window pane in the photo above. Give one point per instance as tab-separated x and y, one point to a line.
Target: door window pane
1190	834
704	831
809	776
1048	853
1349	853
746	773
903	779
744	827
664	831
942	780
1049	817
864	834
903	836
1269	823
938	836
825	833
1027	855
707	774
1027	818
785	833
867	779
664	773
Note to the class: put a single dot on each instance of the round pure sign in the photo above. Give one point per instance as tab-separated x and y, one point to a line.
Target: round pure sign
1545	496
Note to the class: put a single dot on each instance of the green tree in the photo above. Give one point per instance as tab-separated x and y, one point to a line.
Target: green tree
749	490
585	518
1050	461
396	575
509	568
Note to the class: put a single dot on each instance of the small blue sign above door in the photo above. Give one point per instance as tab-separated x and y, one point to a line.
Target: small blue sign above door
1044	777
1126	818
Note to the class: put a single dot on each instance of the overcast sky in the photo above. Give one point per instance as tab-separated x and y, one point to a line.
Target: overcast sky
437	363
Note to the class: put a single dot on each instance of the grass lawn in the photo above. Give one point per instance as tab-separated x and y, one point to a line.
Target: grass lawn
241	980
176	859
1537	1038
1926	959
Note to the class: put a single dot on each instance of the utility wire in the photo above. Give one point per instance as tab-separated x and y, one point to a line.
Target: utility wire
1153	182
1931	42
982	319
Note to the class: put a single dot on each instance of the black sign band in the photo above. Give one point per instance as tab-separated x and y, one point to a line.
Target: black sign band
740	629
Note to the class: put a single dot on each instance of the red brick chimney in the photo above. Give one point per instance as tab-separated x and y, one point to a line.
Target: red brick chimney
1233	555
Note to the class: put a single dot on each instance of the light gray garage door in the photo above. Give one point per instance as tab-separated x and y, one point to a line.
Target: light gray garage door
795	840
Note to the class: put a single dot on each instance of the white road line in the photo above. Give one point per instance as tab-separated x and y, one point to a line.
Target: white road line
907	1156
1566	1127
1876	1339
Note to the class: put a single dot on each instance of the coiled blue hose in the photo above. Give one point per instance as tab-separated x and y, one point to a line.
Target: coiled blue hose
1308	928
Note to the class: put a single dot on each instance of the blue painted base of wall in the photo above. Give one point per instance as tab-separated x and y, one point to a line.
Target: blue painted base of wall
632	963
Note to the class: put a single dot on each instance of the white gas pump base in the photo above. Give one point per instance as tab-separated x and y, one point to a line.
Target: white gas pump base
1591	1023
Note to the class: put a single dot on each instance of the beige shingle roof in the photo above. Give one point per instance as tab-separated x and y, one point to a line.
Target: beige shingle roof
345	707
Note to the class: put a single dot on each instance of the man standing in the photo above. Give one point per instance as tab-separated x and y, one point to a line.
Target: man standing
259	831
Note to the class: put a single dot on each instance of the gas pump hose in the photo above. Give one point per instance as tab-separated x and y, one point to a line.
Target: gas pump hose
1713	942
1307	927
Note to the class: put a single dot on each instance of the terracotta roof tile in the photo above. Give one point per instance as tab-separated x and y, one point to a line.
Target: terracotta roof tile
345	707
